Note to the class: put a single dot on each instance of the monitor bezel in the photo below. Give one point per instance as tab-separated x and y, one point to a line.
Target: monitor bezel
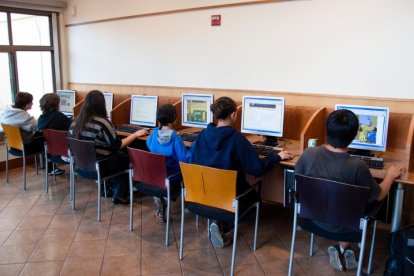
262	132
369	147
209	113
68	113
143	123
108	112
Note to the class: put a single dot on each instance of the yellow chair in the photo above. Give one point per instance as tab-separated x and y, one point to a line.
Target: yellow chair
15	146
216	189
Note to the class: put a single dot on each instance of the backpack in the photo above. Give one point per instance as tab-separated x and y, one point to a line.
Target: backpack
400	260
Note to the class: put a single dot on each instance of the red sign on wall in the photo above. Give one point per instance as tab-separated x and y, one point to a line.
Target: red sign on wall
216	20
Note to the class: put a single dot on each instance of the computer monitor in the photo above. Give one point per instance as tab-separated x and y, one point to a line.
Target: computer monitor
196	110
109	102
263	116
67	101
373	128
144	110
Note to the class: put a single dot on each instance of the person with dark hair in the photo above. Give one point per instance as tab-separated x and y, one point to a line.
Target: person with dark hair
52	118
17	115
92	125
332	162
164	140
222	146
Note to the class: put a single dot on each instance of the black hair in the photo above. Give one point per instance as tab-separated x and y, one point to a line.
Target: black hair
22	99
341	128
94	105
223	107
49	102
166	114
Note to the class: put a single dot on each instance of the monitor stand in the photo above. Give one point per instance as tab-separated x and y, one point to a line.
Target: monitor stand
361	152
268	141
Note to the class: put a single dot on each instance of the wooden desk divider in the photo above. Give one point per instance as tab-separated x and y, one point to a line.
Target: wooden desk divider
314	128
120	114
77	108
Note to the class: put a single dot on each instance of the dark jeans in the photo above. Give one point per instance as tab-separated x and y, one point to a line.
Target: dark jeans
113	164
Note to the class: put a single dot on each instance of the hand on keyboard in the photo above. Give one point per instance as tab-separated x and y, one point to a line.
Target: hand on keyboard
285	155
141	132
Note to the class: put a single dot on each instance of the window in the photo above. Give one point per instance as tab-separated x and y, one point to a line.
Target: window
28	56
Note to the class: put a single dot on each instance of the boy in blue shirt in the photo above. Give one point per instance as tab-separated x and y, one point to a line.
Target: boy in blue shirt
164	140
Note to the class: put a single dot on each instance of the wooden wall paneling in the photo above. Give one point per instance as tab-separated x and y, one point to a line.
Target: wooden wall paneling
120	114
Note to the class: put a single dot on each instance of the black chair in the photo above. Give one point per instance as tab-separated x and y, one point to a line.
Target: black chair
83	157
334	203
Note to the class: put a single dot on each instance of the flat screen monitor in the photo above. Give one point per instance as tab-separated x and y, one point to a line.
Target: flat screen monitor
263	115
109	102
373	127
144	110
196	110
67	101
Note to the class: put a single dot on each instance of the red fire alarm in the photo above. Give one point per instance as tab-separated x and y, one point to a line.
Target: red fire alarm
216	20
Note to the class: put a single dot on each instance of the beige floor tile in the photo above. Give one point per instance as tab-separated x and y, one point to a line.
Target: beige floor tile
122	265
82	266
50	251
10	254
92	232
87	249
11	269
160	261
122	247
40	222
23	237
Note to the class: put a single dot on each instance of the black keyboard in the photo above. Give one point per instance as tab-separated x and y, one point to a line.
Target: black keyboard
265	150
372	162
129	128
189	137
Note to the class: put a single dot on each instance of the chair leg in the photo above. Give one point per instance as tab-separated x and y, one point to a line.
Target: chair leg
256	226
197	221
362	249
105	188
99	198
54	171
292	248
24	172
208	228
311	245
371	252
131	202
236	222
167	227
35	158
182	224
73	182
46	174
7	161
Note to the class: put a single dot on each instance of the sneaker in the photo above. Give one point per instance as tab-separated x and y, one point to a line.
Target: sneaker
57	172
350	260
217	236
159	210
335	257
119	200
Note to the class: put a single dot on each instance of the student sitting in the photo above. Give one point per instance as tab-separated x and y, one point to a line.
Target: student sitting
52	118
17	115
92	125
332	162
221	146
164	140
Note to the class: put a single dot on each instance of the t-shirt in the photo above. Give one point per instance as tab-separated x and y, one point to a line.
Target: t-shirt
342	167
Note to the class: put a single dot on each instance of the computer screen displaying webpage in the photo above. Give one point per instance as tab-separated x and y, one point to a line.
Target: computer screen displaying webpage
196	110
144	110
67	101
263	115
373	127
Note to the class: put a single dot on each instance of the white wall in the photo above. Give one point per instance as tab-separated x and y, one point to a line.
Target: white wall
350	47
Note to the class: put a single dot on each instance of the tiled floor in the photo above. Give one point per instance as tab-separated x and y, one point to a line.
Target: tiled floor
41	235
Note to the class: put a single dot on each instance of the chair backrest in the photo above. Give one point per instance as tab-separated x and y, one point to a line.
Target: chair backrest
209	186
13	135
84	153
335	203
57	142
149	168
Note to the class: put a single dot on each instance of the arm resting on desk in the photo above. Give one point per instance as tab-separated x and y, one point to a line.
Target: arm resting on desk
129	139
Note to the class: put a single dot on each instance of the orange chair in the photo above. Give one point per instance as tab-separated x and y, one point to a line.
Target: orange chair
201	186
15	146
56	144
150	171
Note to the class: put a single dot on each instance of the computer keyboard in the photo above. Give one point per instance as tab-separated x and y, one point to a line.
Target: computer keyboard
189	137
265	150
129	128
372	162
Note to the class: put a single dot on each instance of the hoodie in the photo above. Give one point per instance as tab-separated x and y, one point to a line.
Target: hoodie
226	148
168	143
53	120
21	118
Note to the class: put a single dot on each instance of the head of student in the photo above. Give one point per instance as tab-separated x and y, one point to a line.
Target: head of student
23	101
341	128
93	106
166	114
49	102
224	108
